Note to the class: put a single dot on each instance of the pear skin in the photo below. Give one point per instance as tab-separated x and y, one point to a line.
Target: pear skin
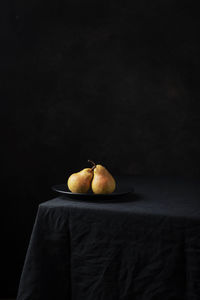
80	182
103	182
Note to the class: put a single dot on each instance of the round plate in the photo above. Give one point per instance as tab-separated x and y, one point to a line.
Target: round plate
63	189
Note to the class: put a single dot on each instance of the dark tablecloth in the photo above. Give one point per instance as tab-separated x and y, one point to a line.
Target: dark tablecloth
143	247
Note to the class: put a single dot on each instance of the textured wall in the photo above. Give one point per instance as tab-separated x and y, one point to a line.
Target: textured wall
116	84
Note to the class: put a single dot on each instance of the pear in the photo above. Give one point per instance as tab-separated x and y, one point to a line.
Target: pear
80	182
102	182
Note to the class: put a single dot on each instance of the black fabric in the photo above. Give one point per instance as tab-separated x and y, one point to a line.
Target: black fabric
144	247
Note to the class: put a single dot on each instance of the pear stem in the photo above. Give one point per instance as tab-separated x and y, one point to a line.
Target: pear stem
94	165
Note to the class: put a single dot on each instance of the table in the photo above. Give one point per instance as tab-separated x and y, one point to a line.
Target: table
144	247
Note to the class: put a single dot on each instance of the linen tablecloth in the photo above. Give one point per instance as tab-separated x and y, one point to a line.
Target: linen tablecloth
145	246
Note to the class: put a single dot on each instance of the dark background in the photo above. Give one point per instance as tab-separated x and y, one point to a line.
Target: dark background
116	82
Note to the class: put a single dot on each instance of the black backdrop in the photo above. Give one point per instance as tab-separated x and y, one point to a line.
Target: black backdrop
116	82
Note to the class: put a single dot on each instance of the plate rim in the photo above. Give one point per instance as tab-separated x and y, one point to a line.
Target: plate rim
125	192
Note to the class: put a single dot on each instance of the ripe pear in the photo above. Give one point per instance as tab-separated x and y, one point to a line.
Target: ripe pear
80	182
102	182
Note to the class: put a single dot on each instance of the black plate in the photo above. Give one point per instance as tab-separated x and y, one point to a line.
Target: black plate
120	191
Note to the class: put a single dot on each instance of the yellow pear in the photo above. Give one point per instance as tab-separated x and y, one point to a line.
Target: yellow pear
80	182
102	182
